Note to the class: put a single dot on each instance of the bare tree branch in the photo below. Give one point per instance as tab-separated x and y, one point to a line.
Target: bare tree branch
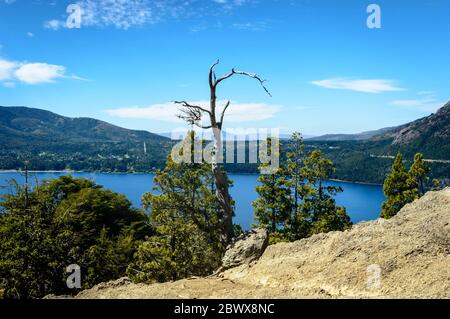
251	75
223	112
227	76
192	116
188	105
212	74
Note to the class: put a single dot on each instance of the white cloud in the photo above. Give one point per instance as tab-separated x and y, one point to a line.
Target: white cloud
34	73
167	112
30	34
426	102
230	4
12	72
76	77
425	105
54	24
250	26
6	69
360	85
124	14
427	93
9	1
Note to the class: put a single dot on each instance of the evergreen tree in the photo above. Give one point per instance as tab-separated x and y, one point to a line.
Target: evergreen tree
185	214
61	222
319	210
295	159
417	174
294	202
273	206
397	189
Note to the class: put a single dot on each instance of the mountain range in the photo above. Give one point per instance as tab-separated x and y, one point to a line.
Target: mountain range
364	136
429	135
48	141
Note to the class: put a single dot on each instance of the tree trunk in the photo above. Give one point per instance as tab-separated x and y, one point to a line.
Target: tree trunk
226	208
222	189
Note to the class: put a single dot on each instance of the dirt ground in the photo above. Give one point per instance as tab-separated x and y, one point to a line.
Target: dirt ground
407	256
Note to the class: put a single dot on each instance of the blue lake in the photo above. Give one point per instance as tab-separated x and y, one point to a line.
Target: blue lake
363	202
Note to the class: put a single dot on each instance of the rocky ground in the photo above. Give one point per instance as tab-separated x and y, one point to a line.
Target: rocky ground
407	256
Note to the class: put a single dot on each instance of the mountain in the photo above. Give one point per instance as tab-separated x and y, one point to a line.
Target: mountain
429	135
51	141
370	160
48	141
27	123
351	137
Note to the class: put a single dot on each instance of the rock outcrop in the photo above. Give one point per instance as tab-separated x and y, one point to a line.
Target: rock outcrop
407	256
246	249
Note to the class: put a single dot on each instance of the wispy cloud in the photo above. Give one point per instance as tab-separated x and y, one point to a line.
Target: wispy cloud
124	14
250	26
12	72
359	85
35	73
426	102
167	112
54	24
6	69
231	4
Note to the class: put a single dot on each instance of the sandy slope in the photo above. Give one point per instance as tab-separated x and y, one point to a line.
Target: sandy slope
412	251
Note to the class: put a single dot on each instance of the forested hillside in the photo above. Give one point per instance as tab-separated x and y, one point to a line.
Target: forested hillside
47	141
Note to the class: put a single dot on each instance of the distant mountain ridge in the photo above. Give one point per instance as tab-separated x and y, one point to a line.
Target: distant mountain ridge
351	137
429	135
29	123
49	141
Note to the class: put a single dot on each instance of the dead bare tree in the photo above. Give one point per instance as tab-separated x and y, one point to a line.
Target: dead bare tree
193	115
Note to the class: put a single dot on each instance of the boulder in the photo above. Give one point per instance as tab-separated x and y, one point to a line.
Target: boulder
246	249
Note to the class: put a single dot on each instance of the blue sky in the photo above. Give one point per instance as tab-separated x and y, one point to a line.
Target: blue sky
327	71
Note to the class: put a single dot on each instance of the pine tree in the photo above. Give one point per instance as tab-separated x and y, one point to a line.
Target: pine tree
397	189
184	211
273	207
61	222
295	159
319	210
295	201
417	174
274	204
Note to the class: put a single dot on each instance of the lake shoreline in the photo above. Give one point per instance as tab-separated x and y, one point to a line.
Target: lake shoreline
153	172
362	202
350	182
